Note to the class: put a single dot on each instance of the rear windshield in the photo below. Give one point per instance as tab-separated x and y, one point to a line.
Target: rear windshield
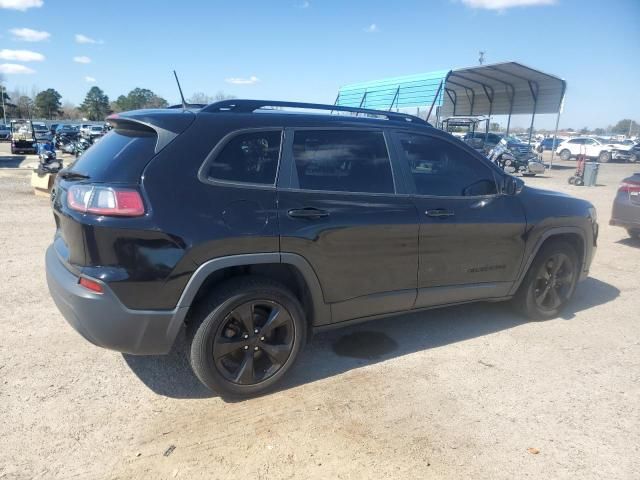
120	156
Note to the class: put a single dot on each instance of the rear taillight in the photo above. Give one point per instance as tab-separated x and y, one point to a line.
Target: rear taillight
629	187
109	201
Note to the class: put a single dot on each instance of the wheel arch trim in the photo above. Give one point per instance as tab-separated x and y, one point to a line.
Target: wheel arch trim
544	236
320	308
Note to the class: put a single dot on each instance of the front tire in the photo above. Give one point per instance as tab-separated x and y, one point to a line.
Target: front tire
246	336
604	157
565	154
550	281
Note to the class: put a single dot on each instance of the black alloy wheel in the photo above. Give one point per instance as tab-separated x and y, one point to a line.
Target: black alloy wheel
550	281
253	342
246	335
554	282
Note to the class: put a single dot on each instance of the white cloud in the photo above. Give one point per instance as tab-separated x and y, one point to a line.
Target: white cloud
243	81
80	38
373	28
11	68
21	55
21	5
82	59
29	35
89	79
504	4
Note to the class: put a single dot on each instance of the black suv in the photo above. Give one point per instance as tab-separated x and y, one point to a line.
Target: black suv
254	226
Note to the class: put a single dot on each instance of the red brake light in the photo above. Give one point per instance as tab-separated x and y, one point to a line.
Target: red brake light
629	187
109	201
90	285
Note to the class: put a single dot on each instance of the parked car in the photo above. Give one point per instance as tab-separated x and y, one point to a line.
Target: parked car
95	131
253	230
482	141
594	148
548	144
41	131
5	132
53	127
626	206
84	128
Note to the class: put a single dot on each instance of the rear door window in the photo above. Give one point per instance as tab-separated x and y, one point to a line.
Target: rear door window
342	161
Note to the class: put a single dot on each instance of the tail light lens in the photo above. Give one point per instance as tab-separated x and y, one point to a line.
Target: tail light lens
109	201
630	188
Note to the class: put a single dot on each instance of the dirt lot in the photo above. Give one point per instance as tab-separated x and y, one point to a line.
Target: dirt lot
462	392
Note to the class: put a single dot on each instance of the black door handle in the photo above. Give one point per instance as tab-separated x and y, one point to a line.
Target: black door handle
308	213
439	213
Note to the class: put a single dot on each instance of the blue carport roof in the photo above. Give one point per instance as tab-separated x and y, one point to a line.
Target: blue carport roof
397	92
498	89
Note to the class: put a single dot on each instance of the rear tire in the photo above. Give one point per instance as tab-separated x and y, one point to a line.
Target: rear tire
550	281
578	182
635	234
246	336
565	154
604	157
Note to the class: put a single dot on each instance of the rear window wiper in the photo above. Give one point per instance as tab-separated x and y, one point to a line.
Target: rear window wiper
69	175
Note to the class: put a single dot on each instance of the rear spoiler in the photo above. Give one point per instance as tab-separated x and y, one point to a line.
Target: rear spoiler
167	125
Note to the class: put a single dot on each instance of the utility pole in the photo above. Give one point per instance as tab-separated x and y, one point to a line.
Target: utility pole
481	58
4	109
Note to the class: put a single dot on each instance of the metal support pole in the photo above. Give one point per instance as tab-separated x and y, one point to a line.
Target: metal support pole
553	145
395	97
534	94
435	99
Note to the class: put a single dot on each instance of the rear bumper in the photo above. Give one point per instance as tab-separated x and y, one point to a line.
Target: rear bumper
104	321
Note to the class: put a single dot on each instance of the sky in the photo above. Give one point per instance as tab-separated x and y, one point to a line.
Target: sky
304	50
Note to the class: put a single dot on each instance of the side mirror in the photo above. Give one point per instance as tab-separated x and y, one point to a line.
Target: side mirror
512	185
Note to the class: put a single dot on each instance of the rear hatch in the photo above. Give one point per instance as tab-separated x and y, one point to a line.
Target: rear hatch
116	161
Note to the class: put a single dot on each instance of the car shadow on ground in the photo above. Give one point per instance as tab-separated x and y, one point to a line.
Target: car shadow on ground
630	242
11	161
338	351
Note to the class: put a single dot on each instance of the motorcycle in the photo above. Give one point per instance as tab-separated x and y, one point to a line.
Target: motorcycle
77	148
48	162
516	157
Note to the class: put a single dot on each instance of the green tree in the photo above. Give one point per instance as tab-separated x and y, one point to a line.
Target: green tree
24	107
599	131
139	98
96	104
48	103
584	130
625	127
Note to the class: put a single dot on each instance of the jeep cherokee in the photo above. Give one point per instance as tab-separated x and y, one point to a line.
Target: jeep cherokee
254	226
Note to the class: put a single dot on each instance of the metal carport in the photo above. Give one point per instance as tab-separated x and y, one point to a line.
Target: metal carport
508	88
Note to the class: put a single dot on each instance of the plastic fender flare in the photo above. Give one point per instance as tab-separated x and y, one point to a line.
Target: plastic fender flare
321	310
550	232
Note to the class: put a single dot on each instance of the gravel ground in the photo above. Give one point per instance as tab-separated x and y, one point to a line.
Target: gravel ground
465	392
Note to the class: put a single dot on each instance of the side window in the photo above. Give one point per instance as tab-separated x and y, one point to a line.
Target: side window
577	141
342	161
590	141
443	169
250	157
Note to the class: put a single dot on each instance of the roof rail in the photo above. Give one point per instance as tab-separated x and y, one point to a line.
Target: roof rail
249	106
